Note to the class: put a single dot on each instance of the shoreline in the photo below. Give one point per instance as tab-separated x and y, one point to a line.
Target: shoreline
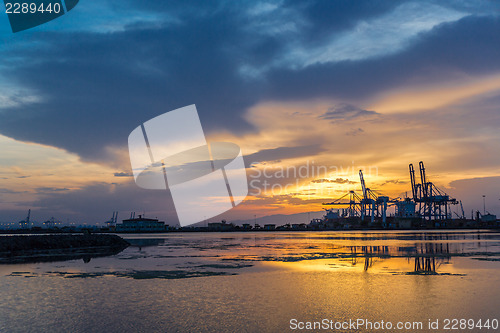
202	229
51	247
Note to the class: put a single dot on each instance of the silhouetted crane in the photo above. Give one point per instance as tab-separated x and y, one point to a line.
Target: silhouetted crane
26	223
433	203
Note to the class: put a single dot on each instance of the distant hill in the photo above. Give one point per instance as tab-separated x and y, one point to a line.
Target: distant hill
281	219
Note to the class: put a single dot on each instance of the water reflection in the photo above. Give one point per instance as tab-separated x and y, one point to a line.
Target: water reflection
427	257
145	242
194	254
85	254
425	253
196	282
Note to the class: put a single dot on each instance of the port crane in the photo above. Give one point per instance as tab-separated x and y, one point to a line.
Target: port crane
372	205
462	217
368	205
26	223
50	223
113	220
433	203
354	203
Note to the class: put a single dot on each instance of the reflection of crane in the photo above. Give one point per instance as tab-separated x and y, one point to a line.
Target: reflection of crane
429	257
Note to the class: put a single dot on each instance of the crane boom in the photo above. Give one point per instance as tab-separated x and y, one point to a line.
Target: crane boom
413	183
422	177
363	187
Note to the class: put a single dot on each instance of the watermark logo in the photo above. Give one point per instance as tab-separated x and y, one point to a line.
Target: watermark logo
308	178
26	14
171	151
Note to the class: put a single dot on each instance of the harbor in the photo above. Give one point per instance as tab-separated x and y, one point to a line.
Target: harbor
250	166
428	207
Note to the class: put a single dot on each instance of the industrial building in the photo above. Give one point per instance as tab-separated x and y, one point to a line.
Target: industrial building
141	224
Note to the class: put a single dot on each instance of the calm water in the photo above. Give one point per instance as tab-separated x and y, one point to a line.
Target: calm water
258	282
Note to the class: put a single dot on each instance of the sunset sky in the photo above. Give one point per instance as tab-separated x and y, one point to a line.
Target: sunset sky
322	85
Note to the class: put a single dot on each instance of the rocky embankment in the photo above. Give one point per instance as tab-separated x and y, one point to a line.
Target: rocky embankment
36	248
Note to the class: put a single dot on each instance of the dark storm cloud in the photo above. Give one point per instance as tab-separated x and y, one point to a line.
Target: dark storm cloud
98	87
328	16
95	88
470	45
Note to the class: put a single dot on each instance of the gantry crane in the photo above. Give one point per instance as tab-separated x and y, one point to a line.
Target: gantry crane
373	205
433	202
368	205
354	204
112	222
25	224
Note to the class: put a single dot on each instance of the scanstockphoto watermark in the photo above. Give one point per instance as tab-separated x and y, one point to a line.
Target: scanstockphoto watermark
357	325
278	179
367	325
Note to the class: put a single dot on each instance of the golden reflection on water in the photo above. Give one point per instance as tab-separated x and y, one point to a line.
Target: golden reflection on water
423	254
374	265
257	282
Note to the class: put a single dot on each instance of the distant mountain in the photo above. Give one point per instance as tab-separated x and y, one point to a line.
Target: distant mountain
281	219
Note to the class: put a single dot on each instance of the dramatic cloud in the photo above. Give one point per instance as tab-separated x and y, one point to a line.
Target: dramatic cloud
378	83
87	101
383	35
